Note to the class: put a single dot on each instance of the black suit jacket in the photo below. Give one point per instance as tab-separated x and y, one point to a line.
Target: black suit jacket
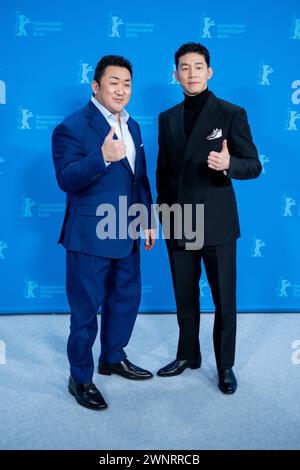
183	175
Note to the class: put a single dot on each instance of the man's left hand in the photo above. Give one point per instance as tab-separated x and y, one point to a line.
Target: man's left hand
219	161
150	237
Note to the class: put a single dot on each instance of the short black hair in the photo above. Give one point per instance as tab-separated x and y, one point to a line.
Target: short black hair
192	47
108	60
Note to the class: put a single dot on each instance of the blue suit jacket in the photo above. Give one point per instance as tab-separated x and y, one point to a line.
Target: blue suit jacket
81	172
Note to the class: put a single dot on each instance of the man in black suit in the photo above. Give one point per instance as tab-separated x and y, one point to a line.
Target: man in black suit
204	142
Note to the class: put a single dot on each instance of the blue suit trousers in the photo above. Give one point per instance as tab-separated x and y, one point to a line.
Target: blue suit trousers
113	284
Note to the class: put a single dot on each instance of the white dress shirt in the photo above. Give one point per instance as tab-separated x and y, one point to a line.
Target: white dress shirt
121	132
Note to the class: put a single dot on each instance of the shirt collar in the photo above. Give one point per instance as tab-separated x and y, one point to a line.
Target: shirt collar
107	114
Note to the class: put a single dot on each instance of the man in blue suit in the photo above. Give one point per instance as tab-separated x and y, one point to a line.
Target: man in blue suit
99	161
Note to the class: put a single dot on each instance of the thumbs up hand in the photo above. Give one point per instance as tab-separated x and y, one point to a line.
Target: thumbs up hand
113	150
111	133
219	161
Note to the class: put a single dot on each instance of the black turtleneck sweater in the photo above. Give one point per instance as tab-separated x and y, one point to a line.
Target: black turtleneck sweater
193	105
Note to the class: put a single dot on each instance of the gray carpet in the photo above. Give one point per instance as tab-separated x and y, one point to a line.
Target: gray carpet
184	412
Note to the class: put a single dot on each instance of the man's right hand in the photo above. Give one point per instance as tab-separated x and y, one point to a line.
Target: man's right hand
113	150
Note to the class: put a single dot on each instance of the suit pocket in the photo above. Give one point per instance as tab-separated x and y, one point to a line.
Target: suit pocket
215	145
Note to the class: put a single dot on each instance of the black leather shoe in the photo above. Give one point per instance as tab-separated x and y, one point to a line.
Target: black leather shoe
227	381
126	369
177	367
87	395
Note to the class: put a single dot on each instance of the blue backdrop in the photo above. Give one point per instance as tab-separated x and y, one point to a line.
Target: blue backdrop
48	53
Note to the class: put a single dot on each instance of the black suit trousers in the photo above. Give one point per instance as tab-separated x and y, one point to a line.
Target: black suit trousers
220	267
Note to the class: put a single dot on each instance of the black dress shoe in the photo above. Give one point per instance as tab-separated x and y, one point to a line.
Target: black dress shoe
87	395
227	381
177	367
126	369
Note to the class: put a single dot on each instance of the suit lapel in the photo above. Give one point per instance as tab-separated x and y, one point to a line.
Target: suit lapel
96	120
177	128
137	143
203	125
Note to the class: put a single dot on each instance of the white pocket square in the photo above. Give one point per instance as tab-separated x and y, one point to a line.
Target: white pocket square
216	133
142	145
